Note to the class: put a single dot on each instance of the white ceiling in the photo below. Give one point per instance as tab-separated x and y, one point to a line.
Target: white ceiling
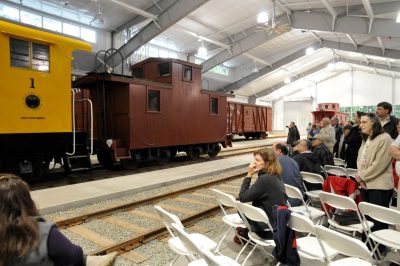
229	20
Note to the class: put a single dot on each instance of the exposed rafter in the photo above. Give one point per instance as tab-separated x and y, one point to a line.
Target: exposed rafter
255	58
183	29
370	13
166	19
332	11
351	39
381	45
136	10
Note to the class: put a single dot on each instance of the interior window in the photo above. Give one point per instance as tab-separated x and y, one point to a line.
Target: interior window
164	70
153	100
137	73
40	57
19	53
187	73
214	106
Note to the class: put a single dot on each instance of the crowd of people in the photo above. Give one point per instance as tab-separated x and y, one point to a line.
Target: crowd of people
370	144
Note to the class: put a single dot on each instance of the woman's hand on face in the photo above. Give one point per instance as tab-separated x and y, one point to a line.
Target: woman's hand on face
252	169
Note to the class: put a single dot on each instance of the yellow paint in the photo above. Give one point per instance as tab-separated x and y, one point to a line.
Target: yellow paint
53	88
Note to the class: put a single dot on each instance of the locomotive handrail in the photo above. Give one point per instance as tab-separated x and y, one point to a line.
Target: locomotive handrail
73	123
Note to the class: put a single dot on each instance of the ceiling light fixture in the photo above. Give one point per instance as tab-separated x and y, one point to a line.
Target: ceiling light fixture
255	69
262	17
398	18
202	50
287	80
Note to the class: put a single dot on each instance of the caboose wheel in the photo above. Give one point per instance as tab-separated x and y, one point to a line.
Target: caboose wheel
214	150
164	157
193	153
129	164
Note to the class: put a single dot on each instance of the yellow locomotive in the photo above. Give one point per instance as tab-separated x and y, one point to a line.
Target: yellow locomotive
35	97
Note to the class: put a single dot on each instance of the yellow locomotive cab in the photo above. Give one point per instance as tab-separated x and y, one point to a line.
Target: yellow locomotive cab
35	88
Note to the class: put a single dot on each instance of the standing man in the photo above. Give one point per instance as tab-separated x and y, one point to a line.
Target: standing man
327	133
338	129
293	134
388	122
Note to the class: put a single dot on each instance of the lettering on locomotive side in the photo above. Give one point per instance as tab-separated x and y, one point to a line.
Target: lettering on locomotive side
33	117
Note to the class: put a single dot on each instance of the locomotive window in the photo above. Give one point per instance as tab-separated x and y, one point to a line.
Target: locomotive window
164	70
153	101
137	73
40	57
19	53
187	73
214	106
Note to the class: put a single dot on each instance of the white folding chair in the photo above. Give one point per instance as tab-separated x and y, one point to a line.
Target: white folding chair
257	215
339	162
313	213
387	237
309	247
313	179
199	255
335	170
343	203
356	250
233	220
174	242
351	172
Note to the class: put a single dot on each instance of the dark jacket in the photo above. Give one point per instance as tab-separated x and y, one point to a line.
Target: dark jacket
338	132
285	250
391	127
324	155
265	193
308	162
293	135
291	176
353	141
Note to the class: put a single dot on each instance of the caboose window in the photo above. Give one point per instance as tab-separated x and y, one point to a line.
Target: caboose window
187	73
164	70
137	73
214	106
153	101
40	57
19	53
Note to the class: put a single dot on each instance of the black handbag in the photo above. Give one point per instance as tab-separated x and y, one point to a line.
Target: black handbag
346	218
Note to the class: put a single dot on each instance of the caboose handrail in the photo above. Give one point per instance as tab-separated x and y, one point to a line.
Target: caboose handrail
91	122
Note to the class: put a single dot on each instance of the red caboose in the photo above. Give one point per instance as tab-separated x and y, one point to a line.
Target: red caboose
160	111
328	110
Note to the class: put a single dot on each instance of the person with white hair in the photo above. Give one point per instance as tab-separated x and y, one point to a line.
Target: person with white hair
328	133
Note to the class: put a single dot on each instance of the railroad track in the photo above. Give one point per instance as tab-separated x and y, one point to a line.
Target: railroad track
206	207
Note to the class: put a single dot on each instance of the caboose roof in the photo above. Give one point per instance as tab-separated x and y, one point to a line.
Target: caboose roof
163	60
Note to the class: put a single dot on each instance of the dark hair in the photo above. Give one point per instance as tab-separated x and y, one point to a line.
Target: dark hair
347	127
350	122
360	114
386	106
268	155
19	231
376	126
282	148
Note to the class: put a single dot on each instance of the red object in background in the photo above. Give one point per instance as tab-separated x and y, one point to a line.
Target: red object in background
341	186
328	110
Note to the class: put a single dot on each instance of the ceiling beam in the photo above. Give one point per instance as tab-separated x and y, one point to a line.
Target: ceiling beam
166	19
136	10
378	9
319	21
276	65
351	39
255	58
183	29
370	13
154	9
381	45
332	11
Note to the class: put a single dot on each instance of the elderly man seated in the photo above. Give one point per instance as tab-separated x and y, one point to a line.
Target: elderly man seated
324	155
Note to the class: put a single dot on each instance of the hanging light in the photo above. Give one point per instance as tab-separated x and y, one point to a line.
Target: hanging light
309	51
202	50
255	69
398	18
262	17
287	80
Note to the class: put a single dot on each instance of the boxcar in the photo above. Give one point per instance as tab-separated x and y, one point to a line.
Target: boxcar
155	114
251	121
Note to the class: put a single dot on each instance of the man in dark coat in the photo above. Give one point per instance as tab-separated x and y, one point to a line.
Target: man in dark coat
293	134
324	155
388	121
307	161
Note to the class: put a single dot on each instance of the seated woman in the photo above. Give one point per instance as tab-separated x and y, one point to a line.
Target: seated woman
267	191
26	239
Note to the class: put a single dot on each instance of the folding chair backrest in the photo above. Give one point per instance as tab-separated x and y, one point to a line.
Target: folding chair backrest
168	219
312	178
253	213
382	214
338	201
301	223
339	162
293	192
344	244
186	240
351	172
210	258
335	170
224	198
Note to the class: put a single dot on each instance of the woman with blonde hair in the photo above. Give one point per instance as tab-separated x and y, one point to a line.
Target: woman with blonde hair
26	239
267	191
